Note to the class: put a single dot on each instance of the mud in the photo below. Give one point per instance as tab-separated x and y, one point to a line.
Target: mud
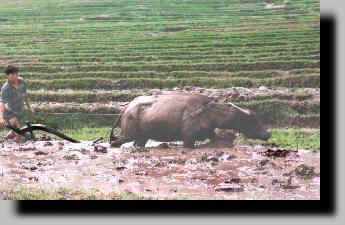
164	170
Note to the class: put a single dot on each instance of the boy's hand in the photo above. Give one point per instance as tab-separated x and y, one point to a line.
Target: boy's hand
2	122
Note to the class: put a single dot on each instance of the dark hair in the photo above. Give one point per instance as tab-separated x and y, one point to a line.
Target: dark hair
11	69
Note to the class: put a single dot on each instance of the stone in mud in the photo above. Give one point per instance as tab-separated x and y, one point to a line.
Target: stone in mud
178	161
61	144
160	165
304	171
263	163
120	168
120	181
100	148
209	158
234	181
44	138
289	187
204	158
33	178
276	152
31	167
45	163
93	156
289	184
71	157
219	154
230	157
264	172
173	190
277	181
26	148
141	173
254	180
84	151
41	153
229	187
48	143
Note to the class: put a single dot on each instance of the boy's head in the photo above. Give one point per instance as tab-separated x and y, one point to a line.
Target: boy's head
10	70
12	74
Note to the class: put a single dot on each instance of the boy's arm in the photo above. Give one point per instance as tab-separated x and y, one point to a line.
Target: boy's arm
26	98
27	102
2	108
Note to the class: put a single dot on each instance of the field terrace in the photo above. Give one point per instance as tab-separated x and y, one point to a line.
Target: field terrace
89	57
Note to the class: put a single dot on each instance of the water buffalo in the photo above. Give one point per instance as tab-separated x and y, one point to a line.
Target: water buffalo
182	116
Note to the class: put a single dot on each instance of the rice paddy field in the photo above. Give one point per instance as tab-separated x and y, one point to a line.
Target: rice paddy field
88	57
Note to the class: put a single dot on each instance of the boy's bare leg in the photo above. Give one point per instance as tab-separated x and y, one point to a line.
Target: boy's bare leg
10	134
14	122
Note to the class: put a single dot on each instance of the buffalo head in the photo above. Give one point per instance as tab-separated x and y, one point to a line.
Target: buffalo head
251	127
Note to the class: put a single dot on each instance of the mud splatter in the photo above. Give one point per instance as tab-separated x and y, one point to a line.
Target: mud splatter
165	170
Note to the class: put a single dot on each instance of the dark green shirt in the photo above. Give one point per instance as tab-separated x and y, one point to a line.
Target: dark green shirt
12	97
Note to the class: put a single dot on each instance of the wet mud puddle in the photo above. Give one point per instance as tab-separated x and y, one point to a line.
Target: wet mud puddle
164	171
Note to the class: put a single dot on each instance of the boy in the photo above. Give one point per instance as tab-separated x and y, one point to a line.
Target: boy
12	98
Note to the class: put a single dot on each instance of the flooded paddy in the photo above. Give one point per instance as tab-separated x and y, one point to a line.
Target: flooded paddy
163	170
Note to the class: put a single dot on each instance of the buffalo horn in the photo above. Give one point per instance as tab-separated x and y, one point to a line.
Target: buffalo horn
239	108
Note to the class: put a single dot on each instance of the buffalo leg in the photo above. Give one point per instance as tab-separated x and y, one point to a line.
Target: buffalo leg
140	142
188	142
212	136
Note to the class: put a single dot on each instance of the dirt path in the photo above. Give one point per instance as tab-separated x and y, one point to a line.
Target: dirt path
239	172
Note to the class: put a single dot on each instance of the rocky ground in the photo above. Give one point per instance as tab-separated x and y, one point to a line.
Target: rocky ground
210	171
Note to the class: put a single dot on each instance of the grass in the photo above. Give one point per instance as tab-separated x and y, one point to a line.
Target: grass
153	29
88	133
291	138
21	192
8	192
296	139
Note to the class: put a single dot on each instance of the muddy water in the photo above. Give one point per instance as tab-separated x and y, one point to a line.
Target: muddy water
161	170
